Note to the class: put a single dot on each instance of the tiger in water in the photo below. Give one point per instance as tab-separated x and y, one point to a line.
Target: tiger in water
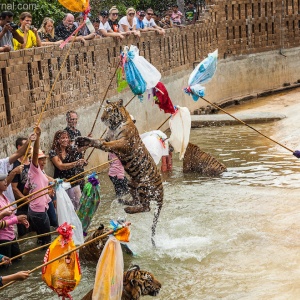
136	283
196	160
123	139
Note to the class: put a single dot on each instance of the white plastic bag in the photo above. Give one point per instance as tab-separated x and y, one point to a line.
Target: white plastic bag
156	143
149	73
66	213
180	126
109	272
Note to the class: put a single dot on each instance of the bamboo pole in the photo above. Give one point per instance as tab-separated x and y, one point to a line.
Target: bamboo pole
30	200
98	112
106	130
25	197
27	252
29	238
49	95
60	256
218	107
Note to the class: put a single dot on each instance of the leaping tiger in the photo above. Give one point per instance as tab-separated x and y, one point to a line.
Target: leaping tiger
123	139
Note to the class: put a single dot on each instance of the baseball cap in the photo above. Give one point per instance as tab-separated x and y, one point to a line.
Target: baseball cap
141	13
2	176
104	13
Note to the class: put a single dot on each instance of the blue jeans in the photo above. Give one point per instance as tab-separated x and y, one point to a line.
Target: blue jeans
41	224
52	215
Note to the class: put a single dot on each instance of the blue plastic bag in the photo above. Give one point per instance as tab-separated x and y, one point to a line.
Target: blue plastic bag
134	78
203	73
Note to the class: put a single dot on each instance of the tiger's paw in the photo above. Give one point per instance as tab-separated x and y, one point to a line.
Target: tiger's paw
82	141
126	202
137	209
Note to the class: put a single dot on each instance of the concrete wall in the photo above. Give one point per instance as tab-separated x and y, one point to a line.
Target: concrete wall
250	36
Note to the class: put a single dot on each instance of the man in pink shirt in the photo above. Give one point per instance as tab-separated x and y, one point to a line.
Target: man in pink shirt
7	233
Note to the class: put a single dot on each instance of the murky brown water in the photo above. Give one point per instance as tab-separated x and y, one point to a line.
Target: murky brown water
234	237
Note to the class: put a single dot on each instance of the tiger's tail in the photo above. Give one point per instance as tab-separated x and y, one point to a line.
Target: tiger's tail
155	220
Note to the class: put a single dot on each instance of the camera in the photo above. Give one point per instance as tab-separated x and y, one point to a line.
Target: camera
14	26
31	27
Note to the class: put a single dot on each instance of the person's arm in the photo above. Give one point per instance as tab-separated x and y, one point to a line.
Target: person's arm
13	173
17	36
90	36
66	166
36	147
5	48
18	194
22	150
37	41
110	32
22	275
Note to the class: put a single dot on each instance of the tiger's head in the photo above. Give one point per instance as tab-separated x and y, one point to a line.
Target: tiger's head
114	114
137	283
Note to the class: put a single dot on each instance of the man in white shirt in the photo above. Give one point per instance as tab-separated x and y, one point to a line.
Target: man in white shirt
150	24
104	27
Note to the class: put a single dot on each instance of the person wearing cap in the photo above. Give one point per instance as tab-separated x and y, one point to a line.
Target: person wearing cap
150	24
6	166
7	232
8	33
105	28
37	180
128	23
140	15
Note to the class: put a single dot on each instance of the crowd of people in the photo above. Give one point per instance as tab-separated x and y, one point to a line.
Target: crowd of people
108	23
23	173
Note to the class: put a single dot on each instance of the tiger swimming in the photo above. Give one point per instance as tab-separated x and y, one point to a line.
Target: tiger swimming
123	139
136	283
196	160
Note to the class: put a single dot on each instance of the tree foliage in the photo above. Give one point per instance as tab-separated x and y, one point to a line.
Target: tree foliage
52	8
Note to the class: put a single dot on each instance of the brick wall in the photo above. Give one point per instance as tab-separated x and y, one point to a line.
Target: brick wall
234	27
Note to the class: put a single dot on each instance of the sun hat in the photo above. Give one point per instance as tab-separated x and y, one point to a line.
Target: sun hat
42	154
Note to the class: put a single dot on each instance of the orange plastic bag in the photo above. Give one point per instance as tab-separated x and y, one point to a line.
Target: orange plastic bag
75	5
62	275
109	273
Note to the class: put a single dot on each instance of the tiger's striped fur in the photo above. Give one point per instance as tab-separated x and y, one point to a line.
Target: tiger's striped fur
123	139
196	160
136	283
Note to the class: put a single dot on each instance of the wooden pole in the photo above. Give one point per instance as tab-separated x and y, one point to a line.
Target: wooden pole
98	112
106	129
218	107
60	256
27	252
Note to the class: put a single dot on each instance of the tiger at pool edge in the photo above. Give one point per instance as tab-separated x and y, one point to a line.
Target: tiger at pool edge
123	139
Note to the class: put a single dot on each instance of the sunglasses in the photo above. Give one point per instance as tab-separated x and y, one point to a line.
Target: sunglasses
149	14
115	14
131	14
105	17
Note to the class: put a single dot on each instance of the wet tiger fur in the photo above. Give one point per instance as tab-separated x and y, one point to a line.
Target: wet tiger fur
123	139
136	283
93	250
196	160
